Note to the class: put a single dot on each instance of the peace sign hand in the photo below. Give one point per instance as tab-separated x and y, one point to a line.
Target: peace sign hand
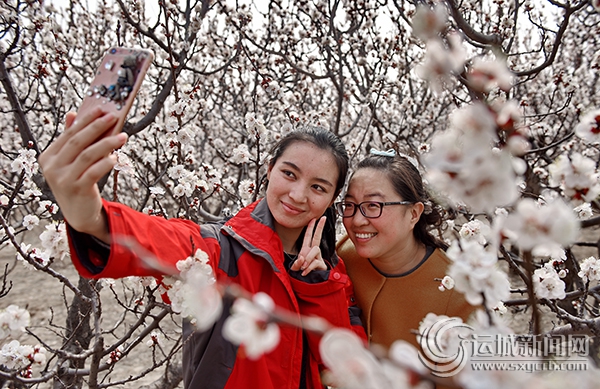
309	258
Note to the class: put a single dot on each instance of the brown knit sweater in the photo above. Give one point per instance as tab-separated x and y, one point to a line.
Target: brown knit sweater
393	306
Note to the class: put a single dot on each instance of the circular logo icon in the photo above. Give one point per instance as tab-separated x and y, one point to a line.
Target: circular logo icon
442	348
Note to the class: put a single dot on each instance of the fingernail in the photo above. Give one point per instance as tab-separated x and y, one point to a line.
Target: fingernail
122	137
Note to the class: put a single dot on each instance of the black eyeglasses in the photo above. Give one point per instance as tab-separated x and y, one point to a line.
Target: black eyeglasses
369	209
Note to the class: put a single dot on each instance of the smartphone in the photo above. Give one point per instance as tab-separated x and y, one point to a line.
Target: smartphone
117	81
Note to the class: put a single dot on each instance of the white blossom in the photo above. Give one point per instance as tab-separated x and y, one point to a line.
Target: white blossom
155	339
351	365
584	211
13	321
500	308
15	356
447	283
486	75
471	182
26	162
533	224
196	295
246	190
461	158
577	176
249	325
184	137
124	163
156	191
240	154
54	240
589	127
590	269
428	23
177	172
475	230
32	193
254	126
179	190
439	62
475	273
48	206
30	221
547	283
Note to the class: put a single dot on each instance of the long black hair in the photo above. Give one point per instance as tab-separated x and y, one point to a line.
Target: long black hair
325	140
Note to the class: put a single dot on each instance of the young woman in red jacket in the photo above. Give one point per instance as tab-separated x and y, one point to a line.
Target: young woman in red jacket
261	248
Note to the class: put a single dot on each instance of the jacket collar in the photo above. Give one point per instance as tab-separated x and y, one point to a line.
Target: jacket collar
254	228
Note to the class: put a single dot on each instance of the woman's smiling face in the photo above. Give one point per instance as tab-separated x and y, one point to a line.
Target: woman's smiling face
382	237
301	186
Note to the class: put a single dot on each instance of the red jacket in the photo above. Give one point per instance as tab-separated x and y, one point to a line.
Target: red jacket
246	250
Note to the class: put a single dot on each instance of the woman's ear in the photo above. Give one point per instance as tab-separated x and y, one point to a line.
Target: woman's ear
415	212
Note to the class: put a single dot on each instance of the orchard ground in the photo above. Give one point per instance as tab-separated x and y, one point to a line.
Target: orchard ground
46	300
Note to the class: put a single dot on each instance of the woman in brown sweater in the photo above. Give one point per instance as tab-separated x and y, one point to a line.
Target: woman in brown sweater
394	262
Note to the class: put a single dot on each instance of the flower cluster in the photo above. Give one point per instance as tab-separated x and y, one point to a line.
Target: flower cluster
535	224
461	159
195	295
240	154
351	365
17	356
476	274
250	326
475	230
115	355
589	127
54	240
254	126
485	76
187	182
440	62
155	339
547	283
13	321
590	269
26	162
577	176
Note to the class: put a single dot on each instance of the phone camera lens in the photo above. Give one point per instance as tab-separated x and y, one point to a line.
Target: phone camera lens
112	51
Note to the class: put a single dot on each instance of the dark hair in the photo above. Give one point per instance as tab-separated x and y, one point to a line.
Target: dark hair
325	140
408	183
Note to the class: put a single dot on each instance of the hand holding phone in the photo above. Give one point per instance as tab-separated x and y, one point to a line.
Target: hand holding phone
117	81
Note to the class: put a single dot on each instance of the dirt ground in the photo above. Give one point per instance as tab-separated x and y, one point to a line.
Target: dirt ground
46	300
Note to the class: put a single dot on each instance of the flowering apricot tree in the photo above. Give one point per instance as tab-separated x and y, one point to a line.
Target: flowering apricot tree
497	101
